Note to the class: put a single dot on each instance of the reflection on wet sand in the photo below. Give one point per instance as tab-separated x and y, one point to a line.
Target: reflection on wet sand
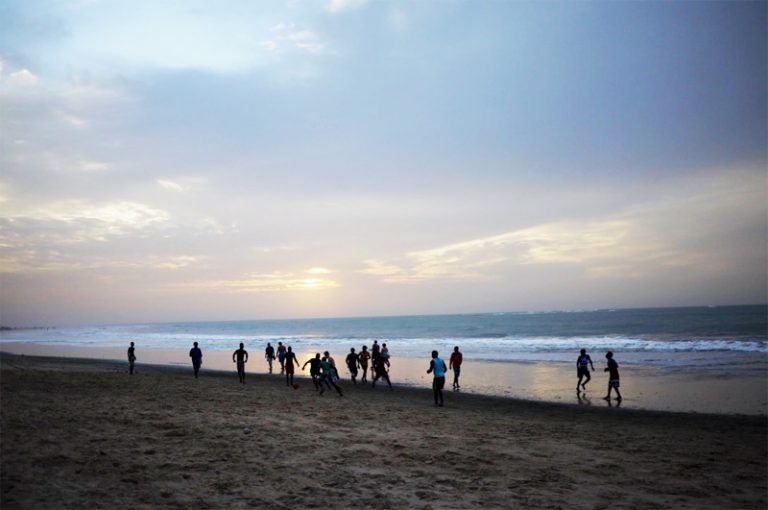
583	399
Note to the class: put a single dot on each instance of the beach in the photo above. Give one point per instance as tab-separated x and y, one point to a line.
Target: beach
82	433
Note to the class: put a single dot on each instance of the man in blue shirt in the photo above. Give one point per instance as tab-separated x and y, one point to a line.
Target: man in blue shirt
437	366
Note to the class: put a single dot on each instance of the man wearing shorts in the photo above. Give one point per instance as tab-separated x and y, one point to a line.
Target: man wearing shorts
363	357
242	358
281	356
613	376
290	360
269	355
314	370
437	366
455	363
582	369
328	376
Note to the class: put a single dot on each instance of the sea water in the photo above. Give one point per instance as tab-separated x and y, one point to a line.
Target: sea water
733	337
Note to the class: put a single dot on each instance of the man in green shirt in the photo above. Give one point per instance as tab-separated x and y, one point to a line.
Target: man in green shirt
327	375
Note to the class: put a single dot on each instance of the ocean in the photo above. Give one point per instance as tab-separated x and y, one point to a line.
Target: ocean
691	337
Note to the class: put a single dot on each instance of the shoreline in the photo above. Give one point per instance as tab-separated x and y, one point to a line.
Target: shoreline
642	387
276	379
77	432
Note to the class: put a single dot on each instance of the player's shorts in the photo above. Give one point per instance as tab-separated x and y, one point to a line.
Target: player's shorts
457	370
289	369
439	383
613	383
582	371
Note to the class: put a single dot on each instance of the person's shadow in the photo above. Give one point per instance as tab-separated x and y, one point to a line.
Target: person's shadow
583	399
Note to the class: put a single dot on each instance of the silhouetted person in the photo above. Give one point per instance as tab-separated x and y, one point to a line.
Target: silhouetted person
197	358
269	355
314	370
281	356
363	358
613	376
437	366
131	358
241	357
380	371
353	362
375	353
455	363
290	361
583	362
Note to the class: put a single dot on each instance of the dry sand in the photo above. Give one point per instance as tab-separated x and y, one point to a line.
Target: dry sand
85	434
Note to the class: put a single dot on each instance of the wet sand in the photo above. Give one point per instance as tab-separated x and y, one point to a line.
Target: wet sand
731	391
85	434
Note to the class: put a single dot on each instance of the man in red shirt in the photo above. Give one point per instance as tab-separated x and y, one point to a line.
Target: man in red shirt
455	364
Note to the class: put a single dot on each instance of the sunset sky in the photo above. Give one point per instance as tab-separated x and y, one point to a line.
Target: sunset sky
196	160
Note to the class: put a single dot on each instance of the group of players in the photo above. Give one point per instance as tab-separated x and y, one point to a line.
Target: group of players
324	373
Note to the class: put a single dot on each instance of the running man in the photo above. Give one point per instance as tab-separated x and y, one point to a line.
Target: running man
437	366
613	376
314	370
197	358
455	363
363	358
131	358
269	355
242	358
290	359
333	364
281	356
327	376
583	362
380	371
353	362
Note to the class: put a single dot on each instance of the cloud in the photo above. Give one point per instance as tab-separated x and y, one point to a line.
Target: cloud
667	234
286	35
94	166
78	221
337	6
22	78
267	282
55	260
170	185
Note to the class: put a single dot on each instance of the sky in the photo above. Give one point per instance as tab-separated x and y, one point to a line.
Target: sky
195	160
